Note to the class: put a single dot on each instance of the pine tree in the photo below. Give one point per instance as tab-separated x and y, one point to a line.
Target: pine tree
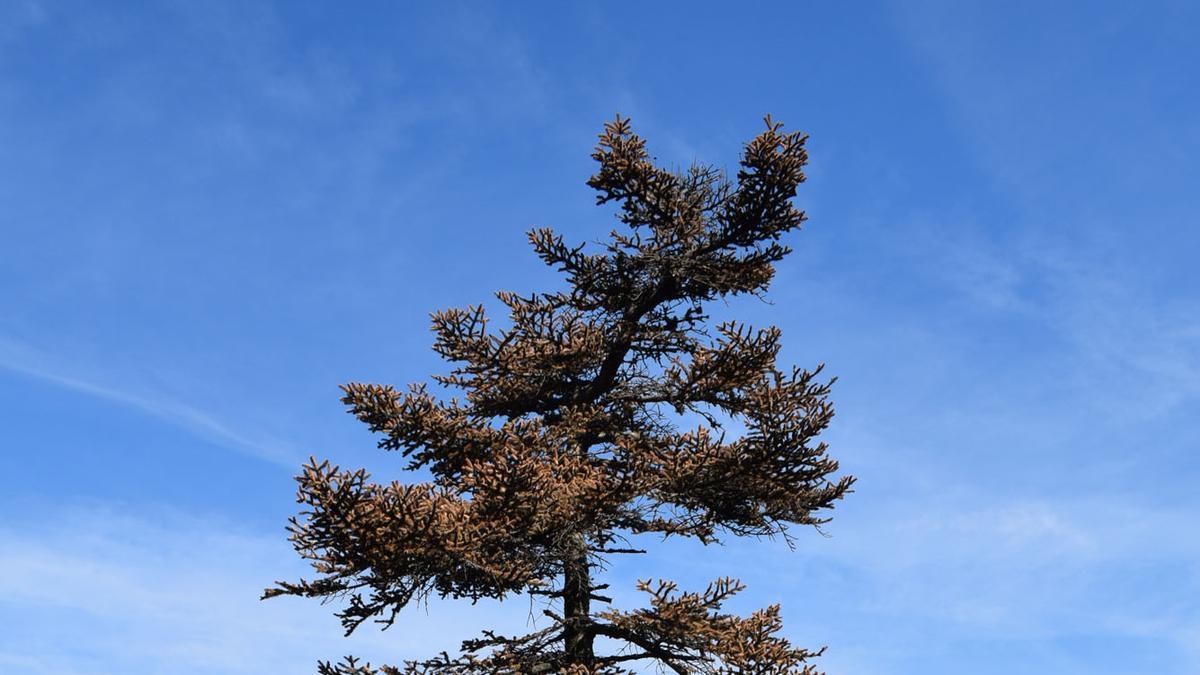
596	415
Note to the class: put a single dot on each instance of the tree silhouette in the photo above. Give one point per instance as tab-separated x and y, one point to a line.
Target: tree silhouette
598	414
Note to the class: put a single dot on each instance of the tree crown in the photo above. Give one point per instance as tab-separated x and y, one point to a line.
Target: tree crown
570	436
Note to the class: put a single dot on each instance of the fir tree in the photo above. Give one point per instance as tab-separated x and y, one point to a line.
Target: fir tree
597	415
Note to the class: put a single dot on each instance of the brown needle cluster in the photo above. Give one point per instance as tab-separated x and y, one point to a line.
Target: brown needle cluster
593	415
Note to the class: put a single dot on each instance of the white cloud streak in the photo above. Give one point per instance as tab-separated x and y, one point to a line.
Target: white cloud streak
22	359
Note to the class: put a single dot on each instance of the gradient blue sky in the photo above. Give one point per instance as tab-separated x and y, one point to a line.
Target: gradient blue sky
213	213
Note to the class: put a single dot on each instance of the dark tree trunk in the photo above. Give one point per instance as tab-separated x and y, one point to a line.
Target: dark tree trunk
577	590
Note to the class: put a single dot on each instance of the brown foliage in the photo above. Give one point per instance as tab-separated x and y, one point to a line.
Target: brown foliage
568	438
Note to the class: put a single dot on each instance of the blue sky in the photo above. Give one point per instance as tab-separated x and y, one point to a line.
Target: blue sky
214	213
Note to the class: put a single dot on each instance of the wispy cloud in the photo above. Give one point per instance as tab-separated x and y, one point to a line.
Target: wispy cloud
20	358
974	569
99	591
1090	240
1116	327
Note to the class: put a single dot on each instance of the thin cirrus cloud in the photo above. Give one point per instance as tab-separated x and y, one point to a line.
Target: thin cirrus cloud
90	590
975	569
25	360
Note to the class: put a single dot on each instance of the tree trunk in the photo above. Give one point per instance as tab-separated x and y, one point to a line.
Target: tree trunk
577	611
